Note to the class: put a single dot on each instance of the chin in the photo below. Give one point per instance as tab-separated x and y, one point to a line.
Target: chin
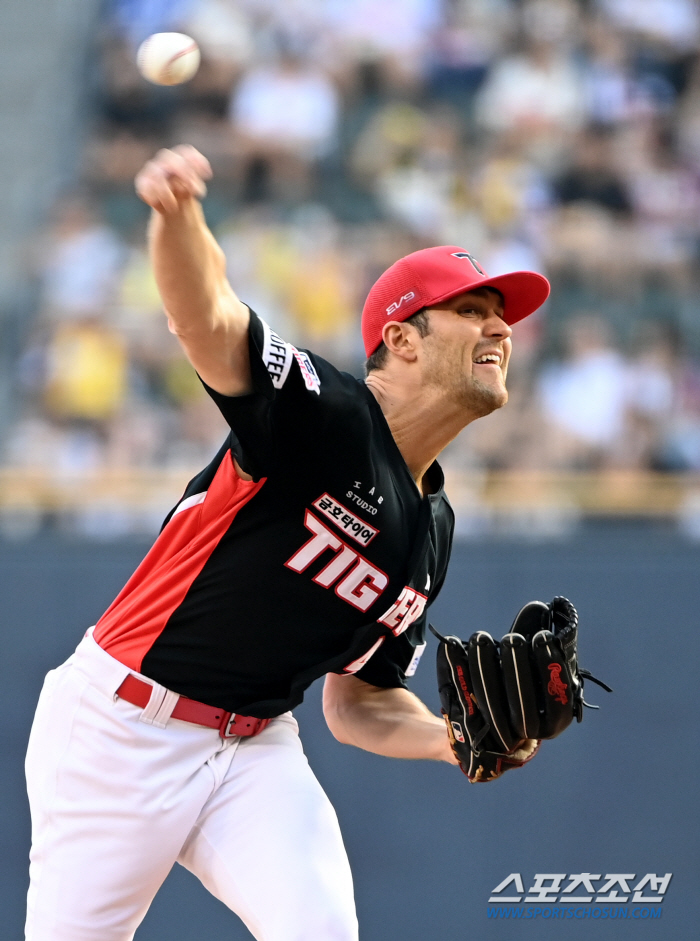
483	399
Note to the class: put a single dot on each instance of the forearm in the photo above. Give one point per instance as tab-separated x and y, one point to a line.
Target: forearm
190	270
390	722
189	267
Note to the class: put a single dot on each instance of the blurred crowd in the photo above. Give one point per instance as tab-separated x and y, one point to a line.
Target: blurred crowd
557	135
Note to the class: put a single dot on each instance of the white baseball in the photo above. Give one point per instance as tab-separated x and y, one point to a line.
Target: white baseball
168	58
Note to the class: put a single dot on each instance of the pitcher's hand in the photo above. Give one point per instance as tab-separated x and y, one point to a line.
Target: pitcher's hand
173	177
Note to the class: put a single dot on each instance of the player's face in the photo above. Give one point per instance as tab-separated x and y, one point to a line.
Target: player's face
467	350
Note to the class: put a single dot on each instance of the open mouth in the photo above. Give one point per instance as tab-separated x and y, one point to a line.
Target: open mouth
488	359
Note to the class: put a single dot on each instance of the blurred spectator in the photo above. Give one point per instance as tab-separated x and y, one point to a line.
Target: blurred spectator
302	276
510	190
674	22
591	176
286	106
472	34
583	395
80	263
285	116
555	22
86	372
394	130
667	200
538	92
227	42
394	33
652	397
610	92
223	31
680	438
418	185
586	245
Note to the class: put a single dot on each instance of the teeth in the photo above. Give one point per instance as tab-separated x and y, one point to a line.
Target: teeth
489	358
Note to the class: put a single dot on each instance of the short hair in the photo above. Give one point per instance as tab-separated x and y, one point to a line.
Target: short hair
378	359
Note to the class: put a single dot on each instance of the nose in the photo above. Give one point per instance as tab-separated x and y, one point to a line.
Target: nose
495	326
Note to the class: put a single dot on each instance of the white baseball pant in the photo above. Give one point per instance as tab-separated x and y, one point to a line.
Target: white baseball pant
118	794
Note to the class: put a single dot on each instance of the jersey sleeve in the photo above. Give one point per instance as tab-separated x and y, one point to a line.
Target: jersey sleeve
286	404
397	659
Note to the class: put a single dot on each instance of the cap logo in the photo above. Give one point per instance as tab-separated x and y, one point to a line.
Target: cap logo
472	259
392	308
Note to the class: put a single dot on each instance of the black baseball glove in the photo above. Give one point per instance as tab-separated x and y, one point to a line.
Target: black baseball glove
500	700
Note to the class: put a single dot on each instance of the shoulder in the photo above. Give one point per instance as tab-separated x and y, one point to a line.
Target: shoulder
291	369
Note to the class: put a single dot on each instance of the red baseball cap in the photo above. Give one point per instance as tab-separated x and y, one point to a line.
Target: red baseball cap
434	275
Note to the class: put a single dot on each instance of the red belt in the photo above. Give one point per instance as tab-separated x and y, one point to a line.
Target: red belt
138	693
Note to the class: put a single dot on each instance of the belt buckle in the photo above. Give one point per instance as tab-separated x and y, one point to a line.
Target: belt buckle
227	721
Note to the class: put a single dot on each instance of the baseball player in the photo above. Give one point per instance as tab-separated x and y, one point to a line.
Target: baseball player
311	545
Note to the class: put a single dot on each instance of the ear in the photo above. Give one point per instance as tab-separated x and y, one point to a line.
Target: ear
402	340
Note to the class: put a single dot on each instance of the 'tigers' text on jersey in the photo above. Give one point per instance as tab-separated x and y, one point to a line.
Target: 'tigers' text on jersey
353	577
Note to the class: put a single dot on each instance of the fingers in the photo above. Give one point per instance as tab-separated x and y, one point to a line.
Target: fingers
197	160
172	177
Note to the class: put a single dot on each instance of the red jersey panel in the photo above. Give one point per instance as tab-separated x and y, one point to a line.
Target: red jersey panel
130	626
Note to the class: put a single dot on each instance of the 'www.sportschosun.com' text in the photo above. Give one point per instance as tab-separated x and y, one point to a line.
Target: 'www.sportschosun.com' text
566	912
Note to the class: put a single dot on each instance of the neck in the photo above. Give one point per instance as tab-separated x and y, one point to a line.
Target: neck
422	421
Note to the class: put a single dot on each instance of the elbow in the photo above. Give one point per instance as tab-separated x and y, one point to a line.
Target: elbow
335	710
339	735
333	716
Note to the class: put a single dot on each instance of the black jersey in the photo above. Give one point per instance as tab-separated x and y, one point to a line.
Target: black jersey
324	562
